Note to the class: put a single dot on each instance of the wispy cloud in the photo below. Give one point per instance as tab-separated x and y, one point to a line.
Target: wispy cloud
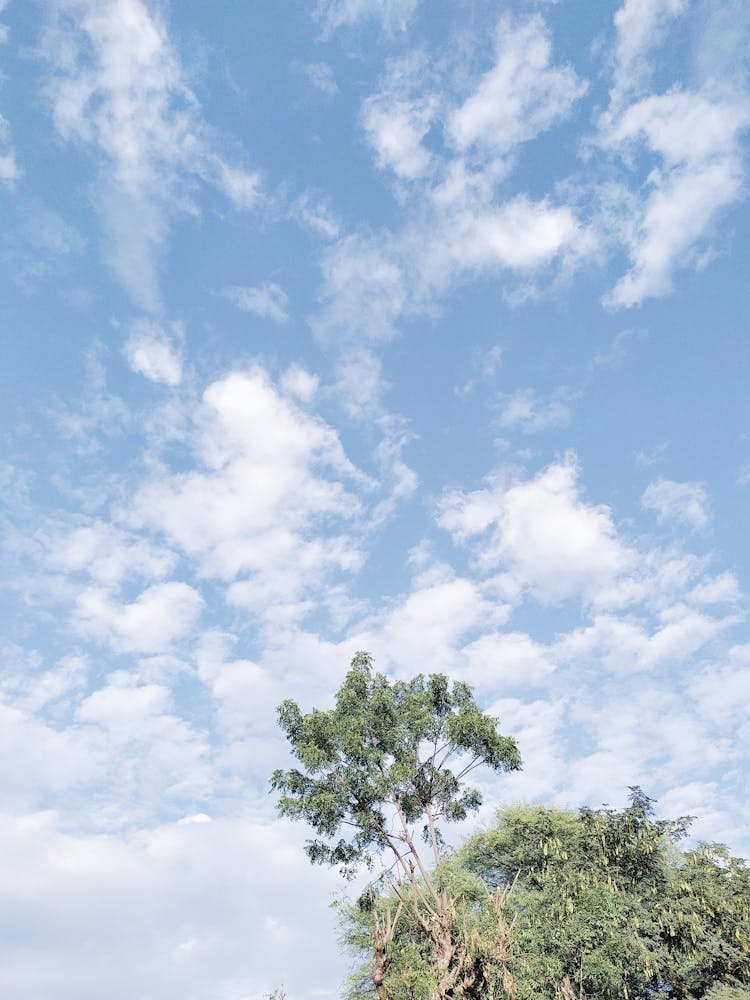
117	89
322	77
696	136
686	503
529	412
640	26
393	15
267	301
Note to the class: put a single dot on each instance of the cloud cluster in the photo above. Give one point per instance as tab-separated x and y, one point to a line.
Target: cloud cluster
460	224
451	159
267	476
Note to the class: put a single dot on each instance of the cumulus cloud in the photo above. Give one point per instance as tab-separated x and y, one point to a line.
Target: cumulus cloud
503	660
267	476
164	908
297	381
541	532
118	89
10	171
426	626
626	645
104	552
686	503
322	77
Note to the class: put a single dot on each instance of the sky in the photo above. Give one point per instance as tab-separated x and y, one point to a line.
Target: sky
411	327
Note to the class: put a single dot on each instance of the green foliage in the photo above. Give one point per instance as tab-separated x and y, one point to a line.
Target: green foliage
607	901
385	746
606	904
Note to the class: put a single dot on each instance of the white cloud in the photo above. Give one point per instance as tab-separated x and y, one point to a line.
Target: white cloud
538	727
397	119
686	503
521	235
627	644
9	168
696	135
170	910
457	224
394	15
499	660
104	552
521	96
117	87
321	76
640	26
157	618
127	721
298	382
241	186
364	289
541	532
531	414
426	626
39	760
268	477
721	589
246	693
268	301
152	352
315	214
369	283
723	690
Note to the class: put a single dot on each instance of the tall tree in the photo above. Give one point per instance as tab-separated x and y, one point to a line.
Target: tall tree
388	762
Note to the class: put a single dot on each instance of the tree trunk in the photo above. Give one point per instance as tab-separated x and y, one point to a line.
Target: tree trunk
379	969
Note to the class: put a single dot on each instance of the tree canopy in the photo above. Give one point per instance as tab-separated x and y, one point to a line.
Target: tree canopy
595	903
403	747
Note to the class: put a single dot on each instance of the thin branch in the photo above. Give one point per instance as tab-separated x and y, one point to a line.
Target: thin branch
476	761
422	870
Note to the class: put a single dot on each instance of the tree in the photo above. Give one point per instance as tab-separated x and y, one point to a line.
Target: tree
388	759
564	905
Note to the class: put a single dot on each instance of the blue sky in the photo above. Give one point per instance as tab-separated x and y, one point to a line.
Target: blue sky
359	324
